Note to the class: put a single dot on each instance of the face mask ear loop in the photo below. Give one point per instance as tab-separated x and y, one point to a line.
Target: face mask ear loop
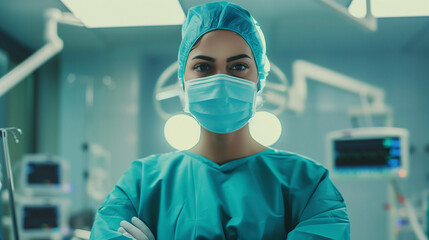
186	99
186	103
255	94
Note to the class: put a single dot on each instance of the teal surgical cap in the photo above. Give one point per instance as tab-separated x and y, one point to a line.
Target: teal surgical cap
227	16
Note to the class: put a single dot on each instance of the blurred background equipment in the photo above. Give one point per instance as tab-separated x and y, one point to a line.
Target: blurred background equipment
43	197
43	217
368	152
383	153
44	175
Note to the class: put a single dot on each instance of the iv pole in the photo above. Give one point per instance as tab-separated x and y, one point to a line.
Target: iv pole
9	178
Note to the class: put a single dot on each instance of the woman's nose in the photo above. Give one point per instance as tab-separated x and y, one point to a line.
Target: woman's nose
221	70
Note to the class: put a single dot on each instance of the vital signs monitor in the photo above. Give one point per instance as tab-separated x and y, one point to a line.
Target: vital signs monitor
368	152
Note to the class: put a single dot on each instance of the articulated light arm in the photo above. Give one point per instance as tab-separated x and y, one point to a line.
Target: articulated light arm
303	70
53	45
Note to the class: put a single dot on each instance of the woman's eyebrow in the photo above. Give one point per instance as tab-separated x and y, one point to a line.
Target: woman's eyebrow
207	58
230	59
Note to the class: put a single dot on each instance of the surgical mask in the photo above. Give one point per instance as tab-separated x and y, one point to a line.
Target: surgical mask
221	103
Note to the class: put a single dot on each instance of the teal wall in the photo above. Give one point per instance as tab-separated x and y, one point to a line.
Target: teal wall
110	121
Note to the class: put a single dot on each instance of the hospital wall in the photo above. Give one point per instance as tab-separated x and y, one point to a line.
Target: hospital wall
93	114
123	120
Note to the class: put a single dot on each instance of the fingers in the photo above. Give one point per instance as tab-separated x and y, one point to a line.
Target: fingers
121	230
140	224
125	233
133	231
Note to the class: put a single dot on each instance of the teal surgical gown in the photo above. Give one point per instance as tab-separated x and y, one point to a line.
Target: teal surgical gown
269	195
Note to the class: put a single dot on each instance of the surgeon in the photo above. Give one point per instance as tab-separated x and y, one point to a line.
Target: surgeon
228	186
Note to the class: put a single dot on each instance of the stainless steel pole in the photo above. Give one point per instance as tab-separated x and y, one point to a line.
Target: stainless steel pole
9	177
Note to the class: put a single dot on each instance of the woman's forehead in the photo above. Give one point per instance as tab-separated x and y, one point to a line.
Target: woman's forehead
221	43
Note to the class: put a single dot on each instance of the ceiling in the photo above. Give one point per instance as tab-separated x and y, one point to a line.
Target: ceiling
289	25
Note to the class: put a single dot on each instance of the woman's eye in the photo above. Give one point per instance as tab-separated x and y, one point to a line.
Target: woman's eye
239	67
202	67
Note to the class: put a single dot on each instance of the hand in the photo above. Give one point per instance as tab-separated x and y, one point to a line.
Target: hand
135	230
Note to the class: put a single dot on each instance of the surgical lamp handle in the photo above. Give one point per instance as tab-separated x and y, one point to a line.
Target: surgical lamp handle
9	177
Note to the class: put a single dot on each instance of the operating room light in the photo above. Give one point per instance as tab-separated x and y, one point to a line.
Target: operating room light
391	8
265	128
182	131
122	13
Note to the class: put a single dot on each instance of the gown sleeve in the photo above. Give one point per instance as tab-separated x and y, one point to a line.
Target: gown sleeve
324	214
120	204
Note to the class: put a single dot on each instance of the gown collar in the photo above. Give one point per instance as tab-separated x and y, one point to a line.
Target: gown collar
228	165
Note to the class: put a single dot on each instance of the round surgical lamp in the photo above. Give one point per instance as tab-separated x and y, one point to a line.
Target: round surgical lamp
265	128
182	131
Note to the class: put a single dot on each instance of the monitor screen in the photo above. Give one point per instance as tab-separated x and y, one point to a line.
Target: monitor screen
43	173
376	153
40	217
